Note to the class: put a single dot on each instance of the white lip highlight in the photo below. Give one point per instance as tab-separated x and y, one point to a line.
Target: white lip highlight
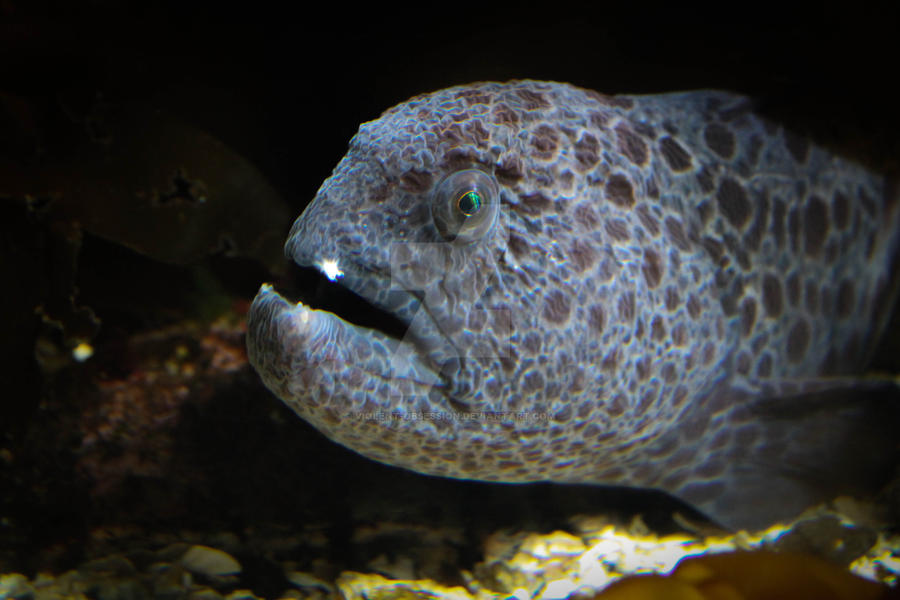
330	269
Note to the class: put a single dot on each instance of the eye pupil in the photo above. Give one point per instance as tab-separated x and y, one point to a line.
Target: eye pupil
469	203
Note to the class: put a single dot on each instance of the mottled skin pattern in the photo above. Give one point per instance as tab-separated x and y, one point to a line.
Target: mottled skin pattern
661	271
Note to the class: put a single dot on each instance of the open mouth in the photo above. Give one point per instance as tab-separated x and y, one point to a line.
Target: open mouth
304	337
310	286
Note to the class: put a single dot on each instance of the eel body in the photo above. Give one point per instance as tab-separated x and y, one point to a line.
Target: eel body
662	291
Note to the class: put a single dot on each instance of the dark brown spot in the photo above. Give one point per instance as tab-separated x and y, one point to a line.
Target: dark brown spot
474	96
693	306
779	210
798	341
504	115
617	229
619	191
607	268
709	353
631	145
748	316
564	415
845	299
675	156
556	307
832	250
793	289
651	187
533	203
751	156
476	133
621	102
657	329
756	231
587	152
616	407
532	100
743	363
510	170
642	368
771	296
533	381
639	329
729	303
812	296
816	225
793	227
519	247
674	260
583	255
679	334
416	181
598	119
759	342
652	268
733	202
737	251
475	320
826	300
679	396
531	343
672	298
568	131
713	247
719	139
596	318
586	217
705	211
648	220
451	134
840	210
460	158
545	141
706	178
797	145
669	373
764	366
611	361
675	231
626	307
645	129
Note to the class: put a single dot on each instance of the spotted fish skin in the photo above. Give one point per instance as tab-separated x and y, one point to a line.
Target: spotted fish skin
667	275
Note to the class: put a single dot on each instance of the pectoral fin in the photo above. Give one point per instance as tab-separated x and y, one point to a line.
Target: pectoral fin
768	451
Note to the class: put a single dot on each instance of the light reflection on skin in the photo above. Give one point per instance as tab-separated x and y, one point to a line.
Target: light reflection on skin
329	267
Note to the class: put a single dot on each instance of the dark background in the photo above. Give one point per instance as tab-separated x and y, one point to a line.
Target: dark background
286	90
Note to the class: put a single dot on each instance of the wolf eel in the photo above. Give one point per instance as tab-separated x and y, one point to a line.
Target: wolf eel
661	291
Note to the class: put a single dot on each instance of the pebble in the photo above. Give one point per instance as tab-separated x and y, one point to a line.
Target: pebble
209	561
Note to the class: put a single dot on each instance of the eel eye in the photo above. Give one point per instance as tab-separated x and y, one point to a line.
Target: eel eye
469	203
465	205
